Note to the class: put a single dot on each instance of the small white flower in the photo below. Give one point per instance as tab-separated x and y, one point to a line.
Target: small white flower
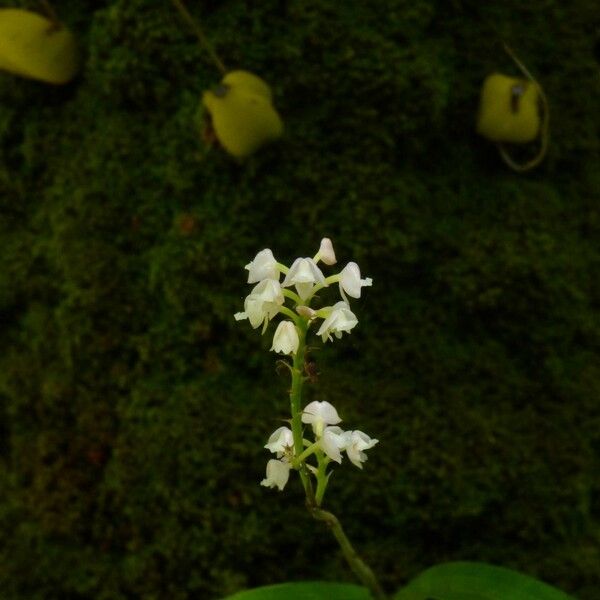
332	441
350	281
303	273
281	439
264	266
262	303
355	443
326	252
278	473
319	414
286	338
340	319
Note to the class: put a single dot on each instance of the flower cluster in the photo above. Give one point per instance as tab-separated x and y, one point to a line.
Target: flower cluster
300	284
330	442
268	296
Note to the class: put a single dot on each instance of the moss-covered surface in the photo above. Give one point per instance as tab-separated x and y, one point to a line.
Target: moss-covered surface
133	409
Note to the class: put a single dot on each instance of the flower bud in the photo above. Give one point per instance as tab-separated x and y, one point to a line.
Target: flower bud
326	253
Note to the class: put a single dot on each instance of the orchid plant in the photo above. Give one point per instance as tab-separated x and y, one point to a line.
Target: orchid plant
309	451
314	440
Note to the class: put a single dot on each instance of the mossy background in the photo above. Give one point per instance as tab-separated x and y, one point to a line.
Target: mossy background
133	409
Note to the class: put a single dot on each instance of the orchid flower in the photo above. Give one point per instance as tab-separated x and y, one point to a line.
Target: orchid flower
303	273
262	304
286	338
278	473
355	444
319	414
332	441
350	281
340	319
326	252
264	266
280	441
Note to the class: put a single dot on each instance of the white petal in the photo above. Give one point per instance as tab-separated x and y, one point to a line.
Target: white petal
240	316
350	280
269	290
262	267
304	289
334	439
322	412
278	473
326	252
280	439
263	302
303	270
340	319
330	447
286	340
363	441
358	442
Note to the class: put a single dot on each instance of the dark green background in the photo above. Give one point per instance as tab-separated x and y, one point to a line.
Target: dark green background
134	409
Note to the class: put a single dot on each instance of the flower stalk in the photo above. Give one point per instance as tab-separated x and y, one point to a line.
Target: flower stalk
267	301
296	403
359	567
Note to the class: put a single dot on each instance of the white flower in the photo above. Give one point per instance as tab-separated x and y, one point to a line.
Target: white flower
355	443
350	281
332	441
281	439
264	266
319	414
340	319
262	303
278	473
303	273
286	338
326	252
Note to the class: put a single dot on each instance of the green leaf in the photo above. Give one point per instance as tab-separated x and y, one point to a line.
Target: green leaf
477	581
305	590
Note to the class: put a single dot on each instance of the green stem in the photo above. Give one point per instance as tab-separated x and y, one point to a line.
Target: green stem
296	401
362	571
294	317
322	479
289	294
312	448
319	286
544	128
285	270
200	35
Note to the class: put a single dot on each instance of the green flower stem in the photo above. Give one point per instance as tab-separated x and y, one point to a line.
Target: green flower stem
294	317
322	478
289	294
296	400
362	571
319	286
312	448
200	35
285	270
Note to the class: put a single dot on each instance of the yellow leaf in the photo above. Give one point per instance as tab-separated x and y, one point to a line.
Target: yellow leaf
35	47
509	110
242	114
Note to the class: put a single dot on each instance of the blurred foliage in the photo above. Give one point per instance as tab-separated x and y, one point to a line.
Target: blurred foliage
133	409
